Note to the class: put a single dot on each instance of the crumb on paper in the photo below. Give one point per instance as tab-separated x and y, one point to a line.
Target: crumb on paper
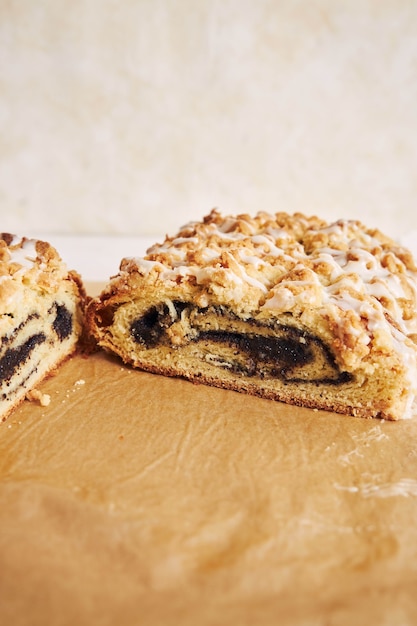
35	395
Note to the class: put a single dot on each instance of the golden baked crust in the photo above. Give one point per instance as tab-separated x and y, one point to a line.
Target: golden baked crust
41	315
334	306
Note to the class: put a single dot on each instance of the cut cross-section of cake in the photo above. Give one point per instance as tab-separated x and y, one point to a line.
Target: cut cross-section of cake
41	316
286	307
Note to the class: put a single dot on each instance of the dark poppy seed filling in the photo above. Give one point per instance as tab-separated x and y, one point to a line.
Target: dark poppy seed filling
13	358
148	328
266	351
62	323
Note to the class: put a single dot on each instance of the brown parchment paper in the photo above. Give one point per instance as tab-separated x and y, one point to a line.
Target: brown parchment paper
138	499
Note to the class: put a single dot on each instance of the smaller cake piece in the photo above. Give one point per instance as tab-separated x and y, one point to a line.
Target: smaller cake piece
286	307
41	316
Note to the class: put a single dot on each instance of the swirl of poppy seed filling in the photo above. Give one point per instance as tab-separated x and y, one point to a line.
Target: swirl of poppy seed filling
62	323
15	353
14	357
245	347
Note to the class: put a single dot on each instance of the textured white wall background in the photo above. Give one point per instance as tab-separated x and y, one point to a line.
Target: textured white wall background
134	117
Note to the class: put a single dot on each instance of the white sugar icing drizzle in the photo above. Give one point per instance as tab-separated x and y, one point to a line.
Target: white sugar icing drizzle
354	270
23	252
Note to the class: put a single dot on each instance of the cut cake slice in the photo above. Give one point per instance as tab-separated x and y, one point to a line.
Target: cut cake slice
41	316
286	307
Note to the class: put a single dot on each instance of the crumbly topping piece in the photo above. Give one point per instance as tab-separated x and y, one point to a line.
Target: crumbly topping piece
26	261
43	399
290	260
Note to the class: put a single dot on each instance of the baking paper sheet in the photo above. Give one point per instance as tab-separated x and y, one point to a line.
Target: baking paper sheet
139	499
